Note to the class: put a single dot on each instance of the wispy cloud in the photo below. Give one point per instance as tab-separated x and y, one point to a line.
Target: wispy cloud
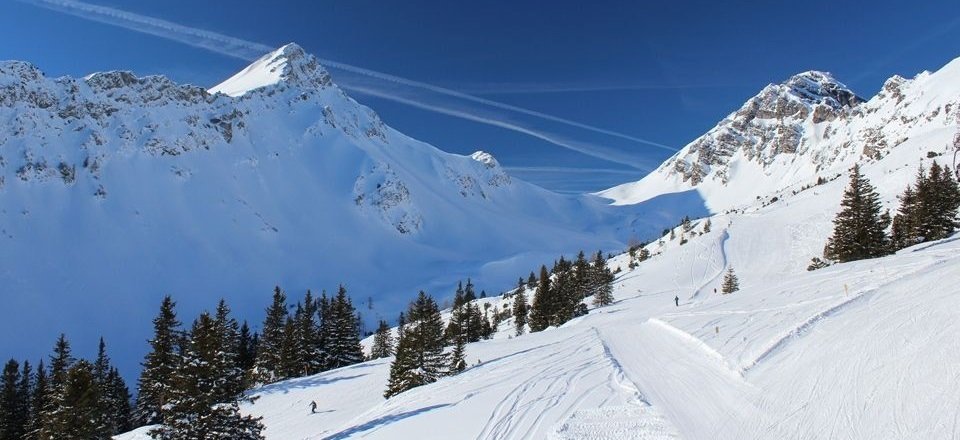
549	88
383	87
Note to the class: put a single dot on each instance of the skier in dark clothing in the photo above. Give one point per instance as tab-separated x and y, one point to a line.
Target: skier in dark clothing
676	300
313	407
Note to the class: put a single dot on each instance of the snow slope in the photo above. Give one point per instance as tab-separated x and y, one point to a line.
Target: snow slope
116	190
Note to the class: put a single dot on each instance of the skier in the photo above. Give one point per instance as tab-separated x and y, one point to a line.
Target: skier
676	300
313	407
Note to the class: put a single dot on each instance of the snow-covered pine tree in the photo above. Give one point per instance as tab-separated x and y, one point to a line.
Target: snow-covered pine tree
938	199
53	413
343	343
116	397
469	294
486	328
730	282
543	306
706	226
459	316
309	332
520	308
230	385
565	293
458	361
904	231
582	277
113	397
602	281
269	364
859	228
38	401
195	409
382	342
79	404
158	365
420	358
326	324
473	329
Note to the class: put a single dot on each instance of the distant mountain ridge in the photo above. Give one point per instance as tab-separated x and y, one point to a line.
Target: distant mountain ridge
790	133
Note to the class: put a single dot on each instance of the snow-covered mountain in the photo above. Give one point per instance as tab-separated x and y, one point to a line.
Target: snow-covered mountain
859	350
809	126
117	189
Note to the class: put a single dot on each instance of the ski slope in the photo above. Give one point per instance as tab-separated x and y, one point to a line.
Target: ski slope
856	350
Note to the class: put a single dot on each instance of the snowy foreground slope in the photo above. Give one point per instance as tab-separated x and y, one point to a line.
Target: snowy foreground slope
861	350
116	190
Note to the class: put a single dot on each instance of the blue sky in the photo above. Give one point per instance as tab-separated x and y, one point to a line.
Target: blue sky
644	77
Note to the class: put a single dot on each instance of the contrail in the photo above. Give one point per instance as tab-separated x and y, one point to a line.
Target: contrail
587	149
248	50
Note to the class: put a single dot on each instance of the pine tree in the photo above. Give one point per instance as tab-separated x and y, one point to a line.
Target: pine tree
730	282
13	417
326	325
22	412
602	281
706	226
469	294
113	402
382	342
458	361
583	283
542	309
520	309
459	316
565	293
158	365
343	342
230	383
268	367
247	354
309	336
117	403
38	402
532	281
486	329
420	358
859	228
54	412
197	406
905	230
79	406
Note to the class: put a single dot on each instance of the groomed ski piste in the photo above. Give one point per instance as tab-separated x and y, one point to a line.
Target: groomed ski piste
860	350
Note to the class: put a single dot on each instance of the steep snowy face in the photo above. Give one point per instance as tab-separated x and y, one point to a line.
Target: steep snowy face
289	64
791	133
116	188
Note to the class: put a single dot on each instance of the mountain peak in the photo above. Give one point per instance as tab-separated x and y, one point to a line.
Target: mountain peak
289	64
817	87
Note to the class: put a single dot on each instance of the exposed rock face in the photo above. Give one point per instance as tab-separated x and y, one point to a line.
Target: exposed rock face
768	125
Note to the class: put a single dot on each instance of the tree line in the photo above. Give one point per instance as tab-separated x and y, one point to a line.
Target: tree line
927	212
